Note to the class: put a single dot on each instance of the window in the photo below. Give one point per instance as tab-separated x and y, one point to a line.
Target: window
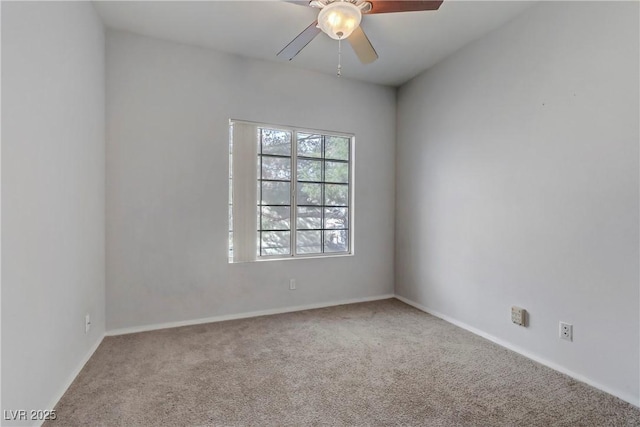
290	192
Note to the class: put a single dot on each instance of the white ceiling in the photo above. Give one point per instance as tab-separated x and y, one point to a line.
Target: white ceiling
407	43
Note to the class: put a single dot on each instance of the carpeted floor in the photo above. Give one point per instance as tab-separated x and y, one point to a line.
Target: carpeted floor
378	363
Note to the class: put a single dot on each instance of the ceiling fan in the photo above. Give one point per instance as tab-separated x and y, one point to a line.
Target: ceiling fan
340	19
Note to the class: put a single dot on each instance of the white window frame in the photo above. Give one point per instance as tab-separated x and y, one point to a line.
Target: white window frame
294	131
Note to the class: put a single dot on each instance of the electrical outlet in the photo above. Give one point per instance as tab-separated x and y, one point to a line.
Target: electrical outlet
566	331
292	284
519	316
87	323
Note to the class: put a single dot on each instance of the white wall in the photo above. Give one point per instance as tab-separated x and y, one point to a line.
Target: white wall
168	107
53	196
517	184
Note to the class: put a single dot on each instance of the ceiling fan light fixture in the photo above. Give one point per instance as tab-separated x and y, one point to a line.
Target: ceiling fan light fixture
339	19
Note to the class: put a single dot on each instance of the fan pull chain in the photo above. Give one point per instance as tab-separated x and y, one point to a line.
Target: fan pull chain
339	57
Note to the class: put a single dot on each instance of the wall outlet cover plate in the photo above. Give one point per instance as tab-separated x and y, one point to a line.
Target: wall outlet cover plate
519	315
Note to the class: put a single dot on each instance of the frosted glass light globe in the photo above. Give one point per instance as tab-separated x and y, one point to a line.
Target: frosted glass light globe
339	19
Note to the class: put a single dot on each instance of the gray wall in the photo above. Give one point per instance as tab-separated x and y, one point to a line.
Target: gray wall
168	107
517	184
53	196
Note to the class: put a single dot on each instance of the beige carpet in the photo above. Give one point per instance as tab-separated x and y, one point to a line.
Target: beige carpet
378	363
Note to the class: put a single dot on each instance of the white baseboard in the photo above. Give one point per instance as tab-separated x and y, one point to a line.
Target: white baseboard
74	374
154	327
526	353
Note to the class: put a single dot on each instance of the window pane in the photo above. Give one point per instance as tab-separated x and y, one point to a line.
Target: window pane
309	170
309	218
275	142
309	194
336	241
275	242
276	167
276	193
309	242
336	218
309	145
336	172
276	218
336	195
336	147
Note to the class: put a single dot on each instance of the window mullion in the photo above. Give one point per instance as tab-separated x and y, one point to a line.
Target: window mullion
294	192
260	200
322	201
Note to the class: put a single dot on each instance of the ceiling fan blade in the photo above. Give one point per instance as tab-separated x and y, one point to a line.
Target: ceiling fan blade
297	44
389	6
362	46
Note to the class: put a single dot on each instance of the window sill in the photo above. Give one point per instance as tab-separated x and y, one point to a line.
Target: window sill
291	258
